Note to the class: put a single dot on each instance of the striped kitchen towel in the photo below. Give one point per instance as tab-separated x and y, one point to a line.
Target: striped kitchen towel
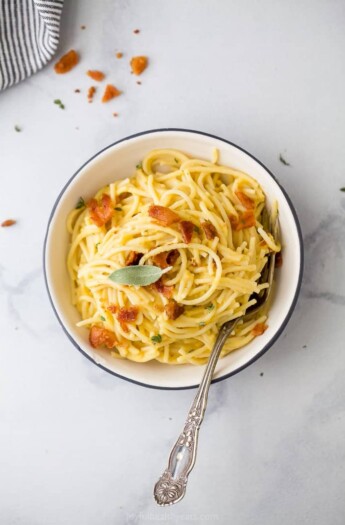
29	36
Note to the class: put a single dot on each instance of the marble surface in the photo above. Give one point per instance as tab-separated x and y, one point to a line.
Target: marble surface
80	447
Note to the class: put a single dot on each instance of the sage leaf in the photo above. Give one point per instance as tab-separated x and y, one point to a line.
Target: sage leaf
137	275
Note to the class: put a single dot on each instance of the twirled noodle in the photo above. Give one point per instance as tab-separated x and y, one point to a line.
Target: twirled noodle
212	278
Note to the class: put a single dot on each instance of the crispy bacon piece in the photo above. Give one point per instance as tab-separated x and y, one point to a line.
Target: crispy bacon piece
110	92
259	329
279	260
245	200
67	62
163	215
95	75
165	259
209	229
245	220
139	64
162	288
101	337
173	310
7	223
124	195
128	315
101	213
112	308
186	228
133	258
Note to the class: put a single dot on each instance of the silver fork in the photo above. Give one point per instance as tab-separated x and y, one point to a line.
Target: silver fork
171	486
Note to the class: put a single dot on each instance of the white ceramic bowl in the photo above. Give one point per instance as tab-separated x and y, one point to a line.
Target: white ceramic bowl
118	161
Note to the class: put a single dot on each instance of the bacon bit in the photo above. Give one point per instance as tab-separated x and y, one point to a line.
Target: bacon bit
110	92
101	213
112	308
90	93
209	229
67	62
173	310
77	91
259	329
119	55
128	315
279	260
162	288
138	64
136	31
101	337
186	228
8	222
245	220
163	215
95	75
124	195
165	259
245	200
173	255
133	258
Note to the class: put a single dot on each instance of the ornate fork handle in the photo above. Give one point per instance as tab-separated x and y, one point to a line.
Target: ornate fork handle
171	486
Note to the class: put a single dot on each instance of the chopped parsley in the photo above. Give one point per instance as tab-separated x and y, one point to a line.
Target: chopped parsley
209	306
117	208
196	229
139	166
156	338
18	129
202	323
176	160
80	203
283	161
58	102
342	189
102	318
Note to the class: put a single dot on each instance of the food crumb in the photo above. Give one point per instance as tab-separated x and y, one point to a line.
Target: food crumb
96	75
138	82
115	114
58	102
67	62
170	418
77	91
304	346
283	161
90	93
136	31
261	374
8	222
110	92
82	27
119	55
18	129
138	64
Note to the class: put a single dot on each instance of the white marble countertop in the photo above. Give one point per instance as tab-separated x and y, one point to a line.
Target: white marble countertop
81	447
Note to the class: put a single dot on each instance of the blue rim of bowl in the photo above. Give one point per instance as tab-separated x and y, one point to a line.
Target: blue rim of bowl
298	287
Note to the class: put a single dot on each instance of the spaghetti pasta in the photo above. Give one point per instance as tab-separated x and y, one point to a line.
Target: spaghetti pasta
200	221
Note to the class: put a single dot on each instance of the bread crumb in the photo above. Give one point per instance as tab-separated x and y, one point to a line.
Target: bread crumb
138	64
90	93
110	92
119	55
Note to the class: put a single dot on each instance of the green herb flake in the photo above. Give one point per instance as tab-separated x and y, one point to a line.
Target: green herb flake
202	323
117	208
342	189
196	229
176	160
58	102
18	129
137	275
97	244
139	166
80	203
209	306
102	318
283	161
156	339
